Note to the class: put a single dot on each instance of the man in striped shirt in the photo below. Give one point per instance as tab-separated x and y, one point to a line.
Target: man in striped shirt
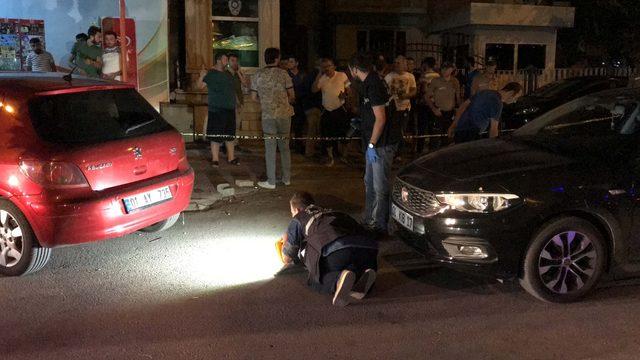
38	59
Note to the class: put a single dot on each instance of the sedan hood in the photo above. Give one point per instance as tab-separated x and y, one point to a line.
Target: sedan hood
486	158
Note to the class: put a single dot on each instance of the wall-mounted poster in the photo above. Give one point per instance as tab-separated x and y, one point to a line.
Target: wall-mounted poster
29	29
9	45
15	35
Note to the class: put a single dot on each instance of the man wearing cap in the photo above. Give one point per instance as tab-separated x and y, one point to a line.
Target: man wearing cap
442	97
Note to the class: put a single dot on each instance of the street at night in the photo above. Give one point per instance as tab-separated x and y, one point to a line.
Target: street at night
319	179
205	290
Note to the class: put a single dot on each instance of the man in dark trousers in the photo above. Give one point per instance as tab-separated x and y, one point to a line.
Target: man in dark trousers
381	136
339	256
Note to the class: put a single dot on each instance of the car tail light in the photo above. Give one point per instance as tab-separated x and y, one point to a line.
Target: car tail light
53	173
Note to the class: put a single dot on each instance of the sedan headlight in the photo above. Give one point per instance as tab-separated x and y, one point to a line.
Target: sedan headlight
528	111
478	203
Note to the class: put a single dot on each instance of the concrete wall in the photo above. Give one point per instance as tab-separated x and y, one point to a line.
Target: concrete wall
452	14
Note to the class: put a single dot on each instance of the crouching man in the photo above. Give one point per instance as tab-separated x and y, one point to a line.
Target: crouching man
339	255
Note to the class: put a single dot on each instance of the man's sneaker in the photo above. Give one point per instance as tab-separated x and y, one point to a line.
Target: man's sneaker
266	185
342	296
364	284
287	183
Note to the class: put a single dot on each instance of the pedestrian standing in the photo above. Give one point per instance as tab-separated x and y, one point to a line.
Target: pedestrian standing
424	114
472	73
273	86
442	97
221	125
298	78
38	59
334	121
239	80
483	112
403	88
81	40
487	79
111	65
312	105
381	137
89	54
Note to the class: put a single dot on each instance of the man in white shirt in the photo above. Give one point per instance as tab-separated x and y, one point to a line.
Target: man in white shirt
334	86
402	87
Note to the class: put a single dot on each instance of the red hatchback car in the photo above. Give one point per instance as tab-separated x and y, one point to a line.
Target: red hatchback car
82	161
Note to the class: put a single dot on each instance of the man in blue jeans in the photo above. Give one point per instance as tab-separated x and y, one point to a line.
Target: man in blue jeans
381	137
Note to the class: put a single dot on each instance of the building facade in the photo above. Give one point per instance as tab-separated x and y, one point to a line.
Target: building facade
242	27
517	33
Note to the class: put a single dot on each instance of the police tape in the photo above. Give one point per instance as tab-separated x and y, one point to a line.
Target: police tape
308	138
406	137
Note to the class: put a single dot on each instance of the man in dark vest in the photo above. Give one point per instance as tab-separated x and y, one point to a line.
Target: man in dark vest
339	255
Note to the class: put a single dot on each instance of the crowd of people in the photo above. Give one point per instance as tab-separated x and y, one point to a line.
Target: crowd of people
93	54
389	101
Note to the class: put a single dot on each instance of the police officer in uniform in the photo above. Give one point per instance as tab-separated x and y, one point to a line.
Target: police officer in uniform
339	255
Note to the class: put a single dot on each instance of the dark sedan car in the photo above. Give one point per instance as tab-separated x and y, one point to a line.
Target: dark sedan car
555	94
555	204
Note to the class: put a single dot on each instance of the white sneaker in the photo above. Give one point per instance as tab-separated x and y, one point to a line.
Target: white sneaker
266	185
287	183
364	284
342	296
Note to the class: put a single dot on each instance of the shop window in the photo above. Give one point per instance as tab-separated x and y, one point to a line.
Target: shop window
532	56
503	54
235	29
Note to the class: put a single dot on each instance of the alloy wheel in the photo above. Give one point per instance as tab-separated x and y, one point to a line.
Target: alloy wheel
11	245
567	261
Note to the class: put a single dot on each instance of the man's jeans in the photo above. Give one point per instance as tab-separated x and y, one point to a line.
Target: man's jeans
280	128
312	130
376	181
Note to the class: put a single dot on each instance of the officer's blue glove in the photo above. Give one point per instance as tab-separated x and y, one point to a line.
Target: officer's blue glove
372	155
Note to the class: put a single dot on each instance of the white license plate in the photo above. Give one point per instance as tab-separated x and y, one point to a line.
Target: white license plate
402	217
147	199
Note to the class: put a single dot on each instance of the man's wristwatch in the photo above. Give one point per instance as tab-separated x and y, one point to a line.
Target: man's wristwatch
372	146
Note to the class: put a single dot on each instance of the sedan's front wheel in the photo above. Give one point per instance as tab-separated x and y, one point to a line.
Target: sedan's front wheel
564	260
20	253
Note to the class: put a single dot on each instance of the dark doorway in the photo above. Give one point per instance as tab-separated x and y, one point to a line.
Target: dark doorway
502	54
532	56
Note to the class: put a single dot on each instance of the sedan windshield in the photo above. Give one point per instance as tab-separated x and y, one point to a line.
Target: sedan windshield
588	124
558	88
587	116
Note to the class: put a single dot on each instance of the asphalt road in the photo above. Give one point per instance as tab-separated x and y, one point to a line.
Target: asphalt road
205	290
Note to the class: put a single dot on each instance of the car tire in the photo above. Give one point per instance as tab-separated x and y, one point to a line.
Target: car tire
20	252
162	225
564	260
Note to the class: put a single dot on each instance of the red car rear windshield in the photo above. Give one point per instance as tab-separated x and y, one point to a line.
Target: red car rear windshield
94	116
